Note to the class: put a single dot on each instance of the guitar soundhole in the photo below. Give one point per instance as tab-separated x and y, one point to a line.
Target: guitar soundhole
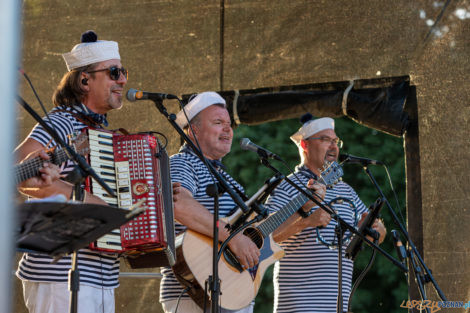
255	236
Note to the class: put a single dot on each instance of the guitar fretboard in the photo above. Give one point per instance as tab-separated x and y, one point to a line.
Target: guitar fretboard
30	168
328	177
276	219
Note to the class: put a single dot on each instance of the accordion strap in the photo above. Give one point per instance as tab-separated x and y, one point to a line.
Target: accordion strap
88	121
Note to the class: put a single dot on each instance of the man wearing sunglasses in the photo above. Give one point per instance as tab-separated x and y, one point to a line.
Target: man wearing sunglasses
91	88
306	278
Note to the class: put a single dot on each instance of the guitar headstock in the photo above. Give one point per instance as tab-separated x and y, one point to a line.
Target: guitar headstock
331	174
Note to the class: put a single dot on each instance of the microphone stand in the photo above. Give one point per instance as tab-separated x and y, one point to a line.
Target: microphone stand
74	273
81	171
339	299
238	218
343	224
421	278
214	280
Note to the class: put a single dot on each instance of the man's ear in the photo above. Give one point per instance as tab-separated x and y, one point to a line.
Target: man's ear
303	144
192	131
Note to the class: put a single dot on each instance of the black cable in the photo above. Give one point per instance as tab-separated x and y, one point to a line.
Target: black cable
298	178
157	133
179	298
37	97
394	194
204	160
361	276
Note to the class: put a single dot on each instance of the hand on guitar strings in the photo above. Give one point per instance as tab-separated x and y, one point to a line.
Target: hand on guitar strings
318	190
245	250
49	173
318	218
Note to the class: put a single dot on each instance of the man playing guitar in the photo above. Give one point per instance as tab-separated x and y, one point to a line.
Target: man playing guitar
306	278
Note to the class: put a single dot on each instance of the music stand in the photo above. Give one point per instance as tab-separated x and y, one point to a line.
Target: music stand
60	228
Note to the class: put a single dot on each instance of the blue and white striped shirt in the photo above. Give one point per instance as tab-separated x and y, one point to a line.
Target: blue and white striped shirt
96	269
190	171
306	278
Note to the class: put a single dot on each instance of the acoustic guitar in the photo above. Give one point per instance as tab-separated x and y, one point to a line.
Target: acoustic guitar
238	287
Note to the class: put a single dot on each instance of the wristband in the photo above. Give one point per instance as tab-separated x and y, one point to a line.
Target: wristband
307	214
304	214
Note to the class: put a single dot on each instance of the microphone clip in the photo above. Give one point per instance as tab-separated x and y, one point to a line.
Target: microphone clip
356	243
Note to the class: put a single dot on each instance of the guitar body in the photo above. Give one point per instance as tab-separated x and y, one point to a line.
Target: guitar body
238	289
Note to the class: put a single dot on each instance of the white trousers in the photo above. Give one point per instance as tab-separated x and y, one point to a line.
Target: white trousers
54	298
189	306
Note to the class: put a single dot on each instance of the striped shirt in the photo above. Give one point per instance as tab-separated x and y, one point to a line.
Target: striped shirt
190	171
96	269
306	278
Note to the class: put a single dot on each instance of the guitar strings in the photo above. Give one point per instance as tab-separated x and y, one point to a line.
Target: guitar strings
30	167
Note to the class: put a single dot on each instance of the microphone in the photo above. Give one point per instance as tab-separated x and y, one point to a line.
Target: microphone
347	158
365	229
134	95
401	251
246	144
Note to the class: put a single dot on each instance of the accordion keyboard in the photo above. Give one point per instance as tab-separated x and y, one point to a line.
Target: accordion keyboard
137	169
102	161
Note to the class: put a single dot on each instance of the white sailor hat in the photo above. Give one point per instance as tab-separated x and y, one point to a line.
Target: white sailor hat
197	104
311	127
90	51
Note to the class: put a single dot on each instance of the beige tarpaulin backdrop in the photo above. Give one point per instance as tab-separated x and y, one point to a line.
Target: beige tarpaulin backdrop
174	47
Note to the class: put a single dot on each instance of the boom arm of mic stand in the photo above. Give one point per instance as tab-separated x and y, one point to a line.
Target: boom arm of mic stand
79	160
405	233
338	219
238	217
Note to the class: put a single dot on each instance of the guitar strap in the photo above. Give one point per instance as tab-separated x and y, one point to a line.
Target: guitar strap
240	193
86	116
306	172
84	119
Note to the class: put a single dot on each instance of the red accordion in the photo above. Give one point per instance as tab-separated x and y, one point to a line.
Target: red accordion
136	167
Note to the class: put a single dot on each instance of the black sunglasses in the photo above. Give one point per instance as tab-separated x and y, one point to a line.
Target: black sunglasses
114	72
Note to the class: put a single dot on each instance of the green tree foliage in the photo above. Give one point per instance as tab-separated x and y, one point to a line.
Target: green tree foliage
384	287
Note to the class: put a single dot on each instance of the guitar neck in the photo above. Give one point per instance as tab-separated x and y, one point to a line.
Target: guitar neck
276	219
330	175
30	168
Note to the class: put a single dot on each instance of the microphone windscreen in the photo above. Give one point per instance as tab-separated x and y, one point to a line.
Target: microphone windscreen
343	157
244	142
131	95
